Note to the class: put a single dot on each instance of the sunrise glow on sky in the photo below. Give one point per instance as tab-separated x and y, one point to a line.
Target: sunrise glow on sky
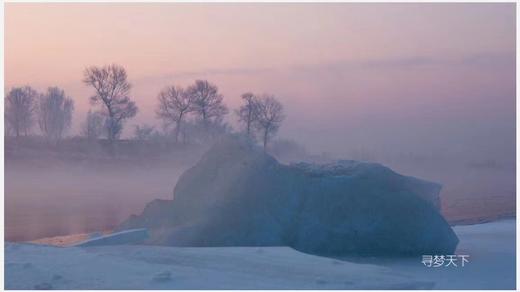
350	75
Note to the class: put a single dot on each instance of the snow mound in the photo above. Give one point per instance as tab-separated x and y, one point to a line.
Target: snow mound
134	267
130	236
237	195
491	246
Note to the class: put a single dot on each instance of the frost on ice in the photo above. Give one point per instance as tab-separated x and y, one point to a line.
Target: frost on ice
237	195
130	236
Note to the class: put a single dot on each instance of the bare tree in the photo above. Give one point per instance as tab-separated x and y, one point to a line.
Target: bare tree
207	101
93	126
7	130
269	117
174	104
112	90
55	113
143	132
247	113
19	109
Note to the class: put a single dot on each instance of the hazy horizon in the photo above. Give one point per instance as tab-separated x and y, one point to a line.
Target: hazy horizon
422	78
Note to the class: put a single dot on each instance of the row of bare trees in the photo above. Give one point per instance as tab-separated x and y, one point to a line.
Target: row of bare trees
51	110
201	100
199	105
259	115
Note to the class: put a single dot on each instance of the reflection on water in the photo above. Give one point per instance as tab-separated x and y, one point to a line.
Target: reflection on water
59	201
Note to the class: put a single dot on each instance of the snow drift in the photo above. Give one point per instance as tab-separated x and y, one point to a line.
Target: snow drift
491	246
237	195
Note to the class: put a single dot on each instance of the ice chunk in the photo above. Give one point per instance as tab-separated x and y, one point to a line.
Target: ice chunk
428	191
157	213
237	195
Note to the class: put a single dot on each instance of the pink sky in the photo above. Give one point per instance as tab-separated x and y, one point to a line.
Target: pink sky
351	76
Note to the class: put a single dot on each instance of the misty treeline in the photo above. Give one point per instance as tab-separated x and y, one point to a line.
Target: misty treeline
24	107
190	115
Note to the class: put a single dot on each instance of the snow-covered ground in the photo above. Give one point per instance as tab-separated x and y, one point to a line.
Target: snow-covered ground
491	248
492	253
